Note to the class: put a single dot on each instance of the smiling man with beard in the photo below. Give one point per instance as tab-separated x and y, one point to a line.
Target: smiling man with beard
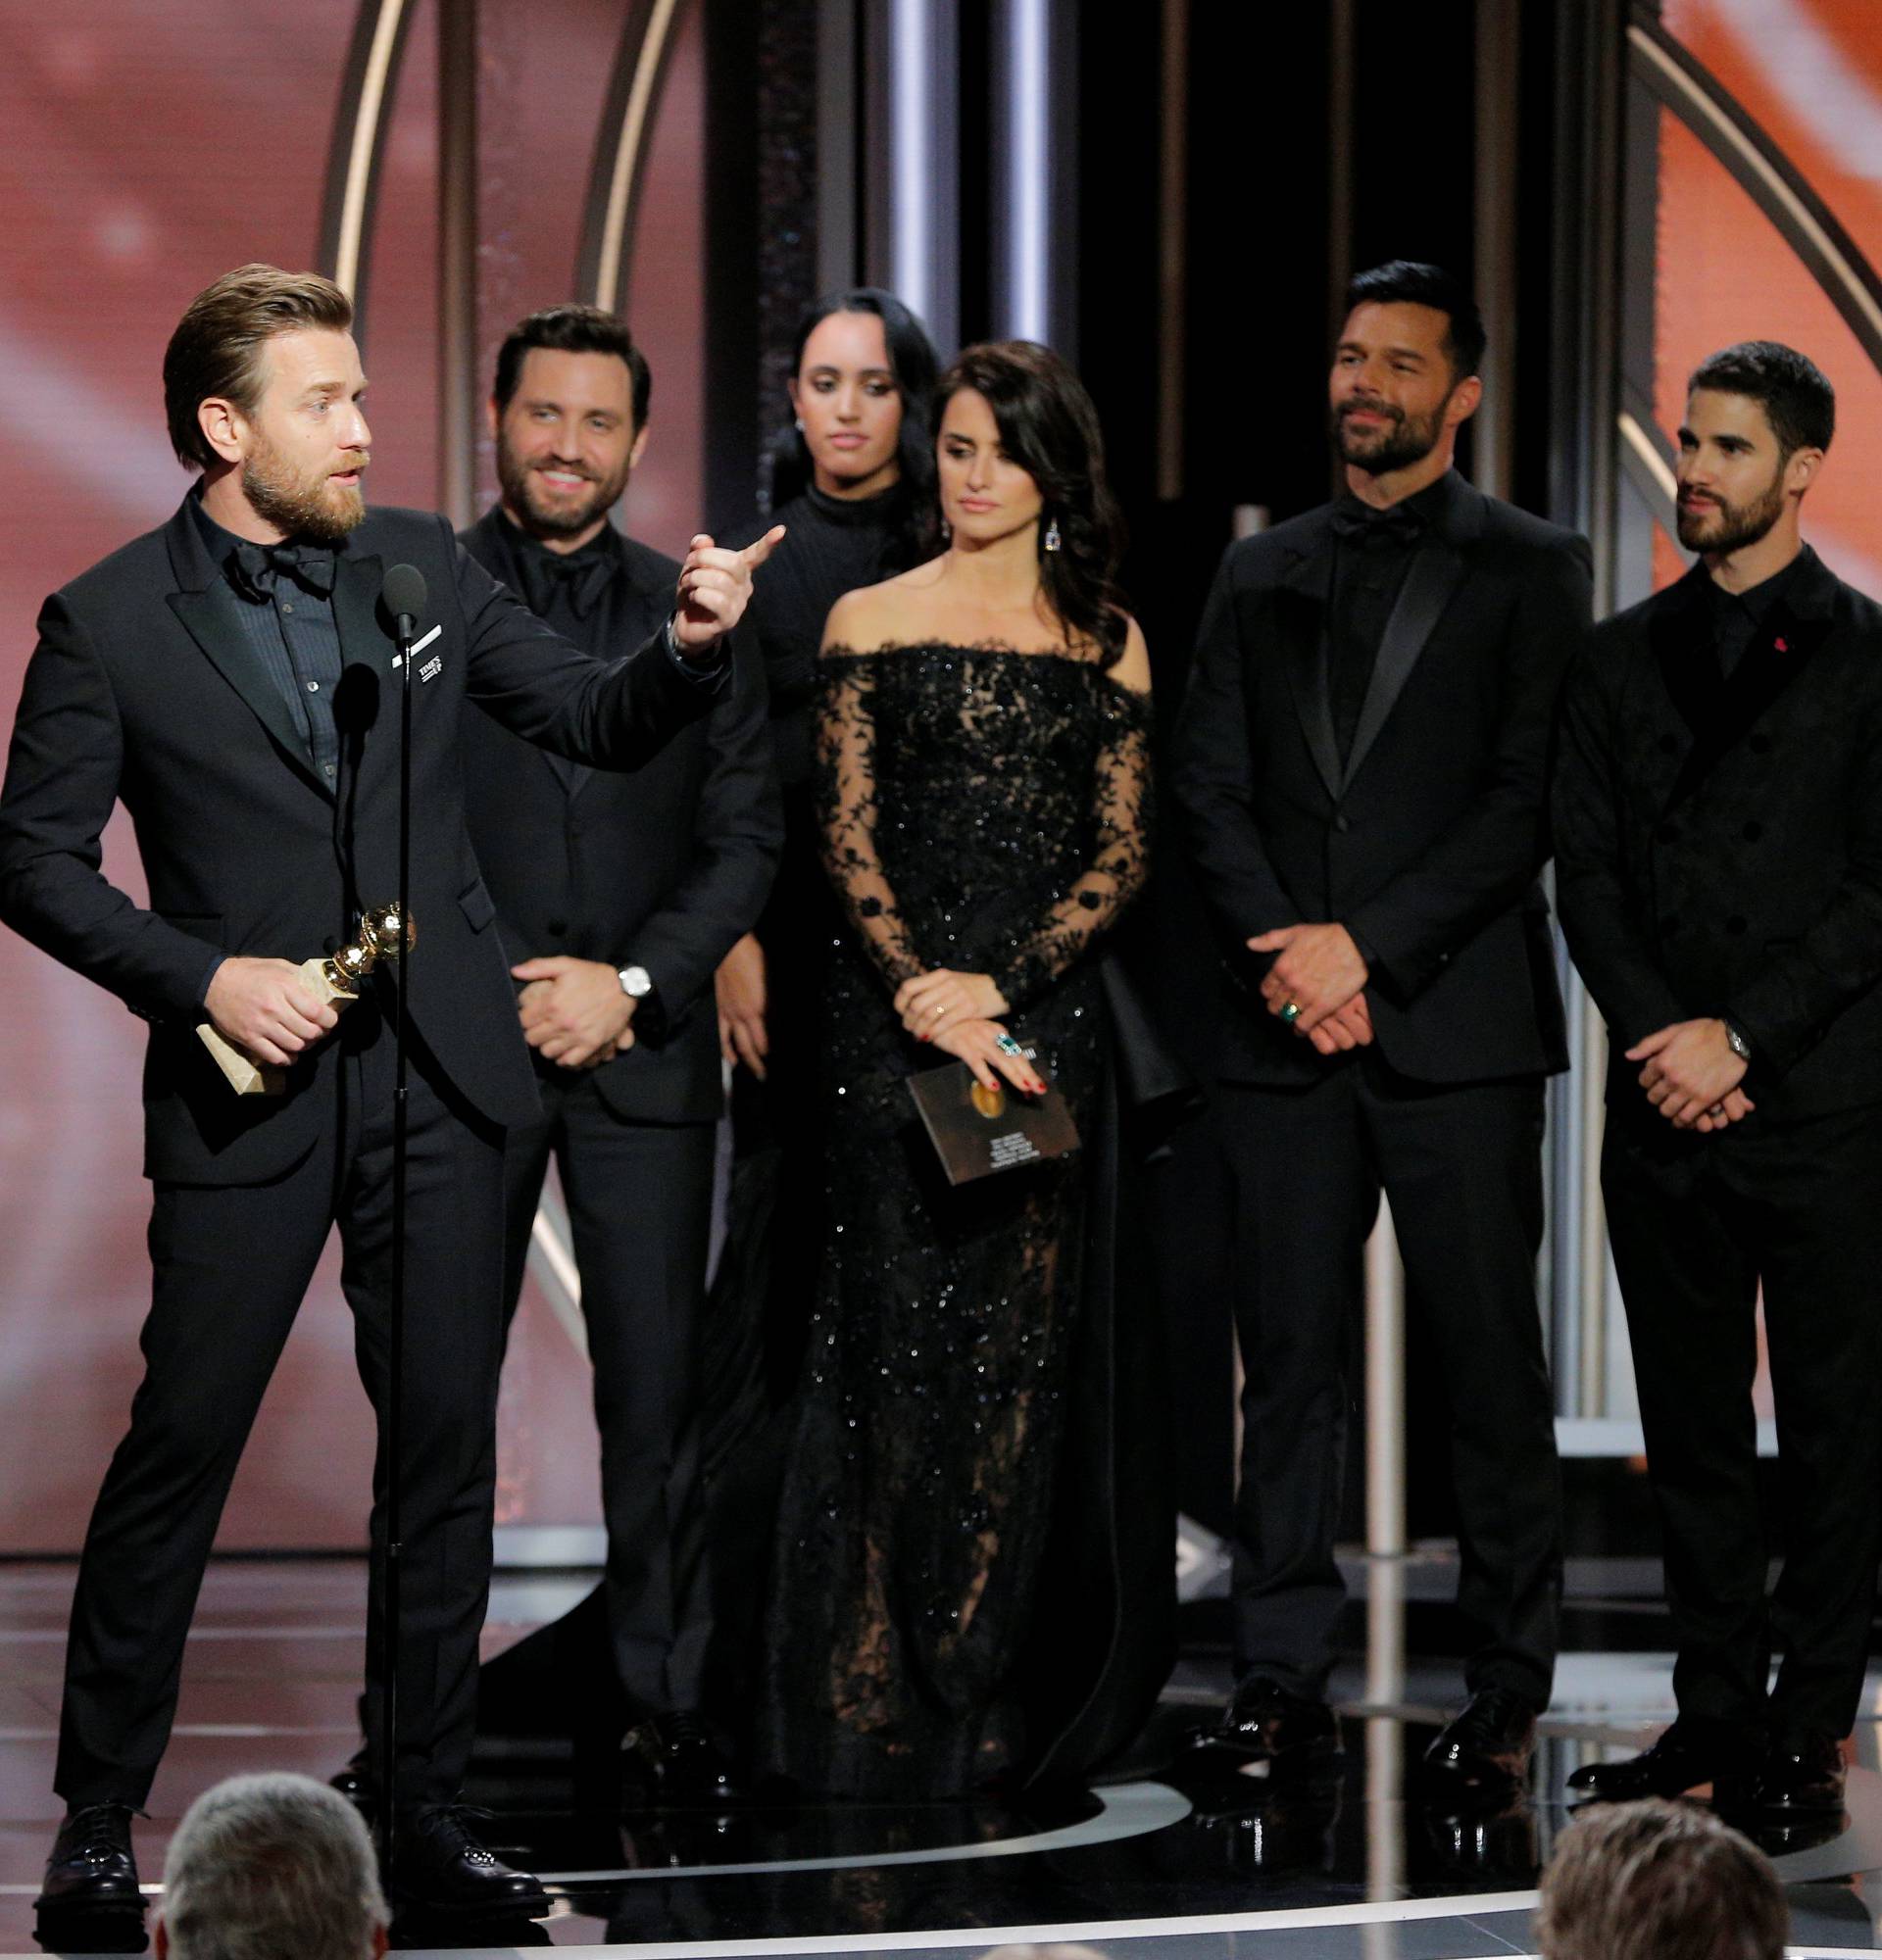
231	679
1362	758
616	898
1718	831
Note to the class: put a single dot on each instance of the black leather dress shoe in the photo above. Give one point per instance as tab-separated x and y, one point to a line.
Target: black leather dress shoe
1684	1757
439	1866
1266	1722
91	1868
1800	1776
1485	1751
670	1762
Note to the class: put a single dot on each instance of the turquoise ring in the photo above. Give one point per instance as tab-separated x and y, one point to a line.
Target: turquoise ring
1290	1010
1007	1045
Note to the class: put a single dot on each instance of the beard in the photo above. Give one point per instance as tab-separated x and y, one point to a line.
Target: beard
545	515
1724	527
1403	441
308	506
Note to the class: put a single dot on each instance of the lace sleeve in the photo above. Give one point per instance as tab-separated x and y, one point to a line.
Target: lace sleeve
847	811
1121	814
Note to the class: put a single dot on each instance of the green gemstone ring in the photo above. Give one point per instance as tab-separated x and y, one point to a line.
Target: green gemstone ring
1290	1010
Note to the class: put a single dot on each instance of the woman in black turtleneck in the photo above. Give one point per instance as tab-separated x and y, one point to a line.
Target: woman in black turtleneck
851	482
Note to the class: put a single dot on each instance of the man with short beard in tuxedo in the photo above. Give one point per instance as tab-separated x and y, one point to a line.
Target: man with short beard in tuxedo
1362	759
231	677
1718	835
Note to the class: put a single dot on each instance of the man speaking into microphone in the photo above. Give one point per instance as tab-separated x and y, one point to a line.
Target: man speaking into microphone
231	679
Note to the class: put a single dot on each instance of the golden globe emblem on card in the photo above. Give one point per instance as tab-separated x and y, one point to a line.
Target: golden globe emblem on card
334	979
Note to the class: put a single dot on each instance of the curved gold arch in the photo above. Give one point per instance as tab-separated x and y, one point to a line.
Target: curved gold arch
622	145
357	149
1734	137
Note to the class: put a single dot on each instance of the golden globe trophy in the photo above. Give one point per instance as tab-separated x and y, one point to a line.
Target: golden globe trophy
331	979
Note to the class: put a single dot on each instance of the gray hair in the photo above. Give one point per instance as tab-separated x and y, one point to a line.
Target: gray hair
1658	1881
262	1866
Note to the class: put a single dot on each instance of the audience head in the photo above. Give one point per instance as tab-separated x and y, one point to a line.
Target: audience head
1017	446
262	1866
262	377
863	371
1658	1881
569	411
1404	373
1760	418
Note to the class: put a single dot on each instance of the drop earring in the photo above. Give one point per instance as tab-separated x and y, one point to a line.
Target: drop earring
1052	535
799	424
947	531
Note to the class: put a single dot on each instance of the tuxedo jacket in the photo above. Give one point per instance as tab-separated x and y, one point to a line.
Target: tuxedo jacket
1427	843
664	867
1719	843
142	690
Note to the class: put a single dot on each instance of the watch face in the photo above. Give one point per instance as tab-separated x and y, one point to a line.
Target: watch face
636	982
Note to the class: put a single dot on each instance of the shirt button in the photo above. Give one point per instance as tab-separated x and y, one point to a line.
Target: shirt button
313	687
286	608
329	767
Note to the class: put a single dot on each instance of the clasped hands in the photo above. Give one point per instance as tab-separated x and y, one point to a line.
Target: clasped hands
961	1014
1318	970
573	1011
1692	1076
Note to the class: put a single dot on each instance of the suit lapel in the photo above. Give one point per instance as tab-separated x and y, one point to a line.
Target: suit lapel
492	542
1300	617
627	614
1436	572
200	603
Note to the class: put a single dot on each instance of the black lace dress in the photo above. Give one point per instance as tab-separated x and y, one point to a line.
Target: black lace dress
983	810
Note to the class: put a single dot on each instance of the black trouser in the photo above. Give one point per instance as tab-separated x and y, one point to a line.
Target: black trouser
231	1266
1696	1223
639	1198
1462	1169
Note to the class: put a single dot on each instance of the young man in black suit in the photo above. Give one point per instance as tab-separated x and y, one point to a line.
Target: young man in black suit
616	898
1719	827
229	678
1361	761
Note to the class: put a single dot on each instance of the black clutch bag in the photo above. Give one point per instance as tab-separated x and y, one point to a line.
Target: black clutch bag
977	1132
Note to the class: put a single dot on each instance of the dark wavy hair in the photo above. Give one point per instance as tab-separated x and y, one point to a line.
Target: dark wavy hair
915	365
1790	387
1049	426
573	329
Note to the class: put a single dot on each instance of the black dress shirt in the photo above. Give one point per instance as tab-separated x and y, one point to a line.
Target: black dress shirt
1737	616
286	612
1372	550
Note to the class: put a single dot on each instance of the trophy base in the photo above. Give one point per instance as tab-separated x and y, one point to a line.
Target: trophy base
249	1077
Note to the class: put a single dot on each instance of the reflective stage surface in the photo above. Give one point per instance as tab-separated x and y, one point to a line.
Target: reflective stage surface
1172	1856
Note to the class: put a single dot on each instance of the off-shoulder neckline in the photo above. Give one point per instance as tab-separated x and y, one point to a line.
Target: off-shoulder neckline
842	650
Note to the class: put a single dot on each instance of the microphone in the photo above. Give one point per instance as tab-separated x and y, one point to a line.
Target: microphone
403	594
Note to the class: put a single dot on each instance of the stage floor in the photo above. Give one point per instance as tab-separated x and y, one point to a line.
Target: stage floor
1157	1863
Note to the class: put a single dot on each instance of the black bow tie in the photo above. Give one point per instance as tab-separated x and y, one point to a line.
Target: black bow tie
254	569
1357	523
583	577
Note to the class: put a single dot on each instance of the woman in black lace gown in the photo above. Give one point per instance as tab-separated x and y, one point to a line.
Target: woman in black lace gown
939	1620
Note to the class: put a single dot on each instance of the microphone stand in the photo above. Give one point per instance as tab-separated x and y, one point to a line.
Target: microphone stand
405	631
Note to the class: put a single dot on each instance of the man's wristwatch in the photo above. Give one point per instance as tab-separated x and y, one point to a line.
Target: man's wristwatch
636	982
1736	1042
